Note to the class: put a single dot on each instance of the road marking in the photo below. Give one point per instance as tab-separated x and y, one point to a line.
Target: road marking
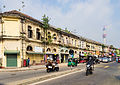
99	66
106	66
56	77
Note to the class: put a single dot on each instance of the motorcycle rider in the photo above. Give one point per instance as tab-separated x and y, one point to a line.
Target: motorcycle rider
90	61
49	63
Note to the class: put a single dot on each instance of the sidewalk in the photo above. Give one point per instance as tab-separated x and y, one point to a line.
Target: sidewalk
34	67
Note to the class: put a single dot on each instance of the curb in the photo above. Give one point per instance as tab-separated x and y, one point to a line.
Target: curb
21	69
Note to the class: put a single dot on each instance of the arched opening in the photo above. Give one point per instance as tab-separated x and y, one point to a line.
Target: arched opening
54	36
66	51
54	50
38	34
29	48
48	50
62	50
75	52
30	32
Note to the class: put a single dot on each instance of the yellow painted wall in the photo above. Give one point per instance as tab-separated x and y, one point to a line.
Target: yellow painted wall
35	57
4	61
12	45
19	61
11	27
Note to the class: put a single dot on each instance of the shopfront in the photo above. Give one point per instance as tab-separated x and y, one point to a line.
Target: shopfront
11	58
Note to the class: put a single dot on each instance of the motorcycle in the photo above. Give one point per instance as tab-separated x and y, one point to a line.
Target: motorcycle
89	69
51	68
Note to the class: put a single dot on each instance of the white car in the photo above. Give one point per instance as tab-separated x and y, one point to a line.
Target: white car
105	60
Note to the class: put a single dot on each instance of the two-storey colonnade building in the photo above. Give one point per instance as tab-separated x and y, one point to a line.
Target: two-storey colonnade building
21	36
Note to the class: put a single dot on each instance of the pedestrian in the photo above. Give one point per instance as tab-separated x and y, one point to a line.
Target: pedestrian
28	62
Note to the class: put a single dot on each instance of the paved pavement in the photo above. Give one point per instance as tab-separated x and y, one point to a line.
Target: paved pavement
104	74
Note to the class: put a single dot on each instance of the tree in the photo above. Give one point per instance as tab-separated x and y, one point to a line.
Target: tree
111	46
45	21
66	30
103	47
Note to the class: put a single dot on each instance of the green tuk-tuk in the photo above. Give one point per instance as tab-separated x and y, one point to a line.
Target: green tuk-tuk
72	62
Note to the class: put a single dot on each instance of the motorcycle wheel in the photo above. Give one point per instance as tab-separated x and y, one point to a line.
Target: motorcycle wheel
86	72
57	69
91	72
48	70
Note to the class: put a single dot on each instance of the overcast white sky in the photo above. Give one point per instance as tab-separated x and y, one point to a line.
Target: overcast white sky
84	17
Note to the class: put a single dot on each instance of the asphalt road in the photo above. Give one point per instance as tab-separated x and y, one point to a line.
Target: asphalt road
8	77
104	74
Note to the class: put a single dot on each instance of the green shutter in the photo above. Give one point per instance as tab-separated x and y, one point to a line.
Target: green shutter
12	60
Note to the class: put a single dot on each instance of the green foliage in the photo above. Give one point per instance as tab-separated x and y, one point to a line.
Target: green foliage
111	46
66	30
49	41
45	21
59	29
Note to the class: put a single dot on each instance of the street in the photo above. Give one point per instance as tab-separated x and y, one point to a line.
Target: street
8	77
105	74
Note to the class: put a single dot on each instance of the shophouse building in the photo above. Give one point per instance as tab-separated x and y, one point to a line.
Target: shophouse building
22	36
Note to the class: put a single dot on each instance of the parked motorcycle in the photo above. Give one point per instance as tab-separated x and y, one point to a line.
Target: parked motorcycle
89	69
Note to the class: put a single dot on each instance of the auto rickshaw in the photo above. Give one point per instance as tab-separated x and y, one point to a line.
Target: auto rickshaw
72	62
118	59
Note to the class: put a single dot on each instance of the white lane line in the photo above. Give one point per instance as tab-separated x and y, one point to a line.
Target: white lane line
56	77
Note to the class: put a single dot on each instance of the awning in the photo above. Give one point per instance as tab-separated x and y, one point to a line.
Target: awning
32	52
11	52
65	53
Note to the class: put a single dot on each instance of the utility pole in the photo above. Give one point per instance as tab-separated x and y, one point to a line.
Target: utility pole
2	47
22	36
104	34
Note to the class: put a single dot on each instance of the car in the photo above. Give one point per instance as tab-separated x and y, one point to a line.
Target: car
100	59
105	60
110	59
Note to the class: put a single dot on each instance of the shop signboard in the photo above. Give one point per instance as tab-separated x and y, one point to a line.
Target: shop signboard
38	49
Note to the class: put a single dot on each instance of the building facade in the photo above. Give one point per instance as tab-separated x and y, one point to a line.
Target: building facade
22	36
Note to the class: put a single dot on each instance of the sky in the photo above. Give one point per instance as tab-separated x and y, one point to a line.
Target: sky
82	17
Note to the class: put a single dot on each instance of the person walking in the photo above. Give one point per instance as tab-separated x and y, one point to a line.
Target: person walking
28	62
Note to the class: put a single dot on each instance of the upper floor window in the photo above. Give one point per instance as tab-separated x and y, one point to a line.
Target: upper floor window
67	40
54	36
72	41
75	42
49	33
38	34
62	39
29	48
29	32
